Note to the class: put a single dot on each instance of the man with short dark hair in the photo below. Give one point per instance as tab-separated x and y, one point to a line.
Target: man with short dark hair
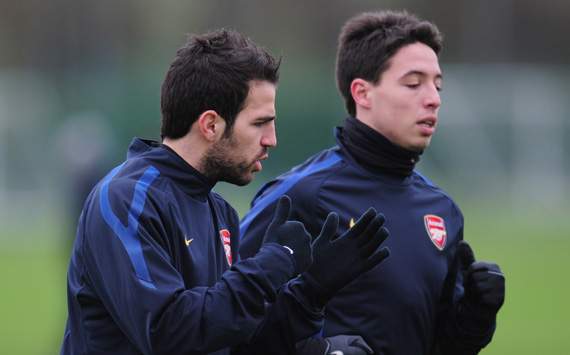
155	268
431	296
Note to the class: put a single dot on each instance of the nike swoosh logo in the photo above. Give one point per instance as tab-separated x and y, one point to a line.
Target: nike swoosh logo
350	225
188	241
336	352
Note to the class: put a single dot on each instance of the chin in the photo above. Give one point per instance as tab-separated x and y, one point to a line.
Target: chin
415	147
423	146
420	146
247	180
241	180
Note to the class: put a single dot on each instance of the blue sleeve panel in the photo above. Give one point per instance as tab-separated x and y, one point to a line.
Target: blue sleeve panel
149	273
128	234
410	303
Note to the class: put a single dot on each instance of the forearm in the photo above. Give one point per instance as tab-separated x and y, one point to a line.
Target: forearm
231	311
292	317
473	319
464	332
166	318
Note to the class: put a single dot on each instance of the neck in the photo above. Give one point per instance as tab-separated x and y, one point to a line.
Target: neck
375	152
189	150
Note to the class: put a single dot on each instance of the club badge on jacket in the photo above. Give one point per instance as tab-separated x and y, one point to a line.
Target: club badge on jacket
225	237
435	228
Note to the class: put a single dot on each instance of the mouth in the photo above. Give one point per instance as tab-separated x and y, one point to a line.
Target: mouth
427	126
257	163
428	122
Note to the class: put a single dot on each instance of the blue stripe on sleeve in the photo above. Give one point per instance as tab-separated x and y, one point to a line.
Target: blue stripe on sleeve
128	234
282	188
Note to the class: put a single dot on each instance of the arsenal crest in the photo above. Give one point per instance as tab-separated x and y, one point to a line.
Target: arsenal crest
435	228
225	236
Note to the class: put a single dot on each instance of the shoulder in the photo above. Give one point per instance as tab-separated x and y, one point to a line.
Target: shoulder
303	180
131	188
302	183
224	206
125	202
424	183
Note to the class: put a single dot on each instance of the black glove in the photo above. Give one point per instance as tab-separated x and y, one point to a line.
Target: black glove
347	345
336	345
292	235
484	283
339	260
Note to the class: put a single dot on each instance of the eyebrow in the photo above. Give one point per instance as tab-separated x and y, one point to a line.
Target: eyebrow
265	119
421	73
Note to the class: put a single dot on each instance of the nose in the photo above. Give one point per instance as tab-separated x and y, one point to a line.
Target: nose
269	137
433	99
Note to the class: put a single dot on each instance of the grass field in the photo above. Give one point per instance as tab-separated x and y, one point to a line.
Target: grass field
534	256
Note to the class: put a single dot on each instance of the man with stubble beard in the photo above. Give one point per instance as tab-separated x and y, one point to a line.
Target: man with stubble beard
155	268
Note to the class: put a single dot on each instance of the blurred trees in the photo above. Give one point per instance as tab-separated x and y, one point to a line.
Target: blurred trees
62	58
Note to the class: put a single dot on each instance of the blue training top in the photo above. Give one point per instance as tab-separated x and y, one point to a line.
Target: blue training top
155	269
409	303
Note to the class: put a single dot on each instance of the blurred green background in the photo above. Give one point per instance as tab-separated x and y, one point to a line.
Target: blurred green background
79	79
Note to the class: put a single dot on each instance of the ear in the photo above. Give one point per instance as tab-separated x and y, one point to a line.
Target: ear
211	125
360	91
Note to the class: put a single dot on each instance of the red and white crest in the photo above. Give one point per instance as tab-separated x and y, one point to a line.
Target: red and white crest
435	228
225	236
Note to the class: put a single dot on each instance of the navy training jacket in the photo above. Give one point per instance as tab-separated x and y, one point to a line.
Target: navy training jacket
409	303
155	270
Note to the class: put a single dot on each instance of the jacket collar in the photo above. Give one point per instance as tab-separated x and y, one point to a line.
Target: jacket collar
171	165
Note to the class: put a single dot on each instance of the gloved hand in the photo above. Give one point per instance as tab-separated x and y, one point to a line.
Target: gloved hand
347	345
335	345
292	235
484	283
339	260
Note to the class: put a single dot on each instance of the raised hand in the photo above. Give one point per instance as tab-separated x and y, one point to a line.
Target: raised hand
347	345
291	235
337	260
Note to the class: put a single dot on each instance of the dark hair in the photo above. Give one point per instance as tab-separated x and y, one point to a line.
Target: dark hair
368	41
212	71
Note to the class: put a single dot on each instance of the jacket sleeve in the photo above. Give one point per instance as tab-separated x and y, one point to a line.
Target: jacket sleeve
291	318
131	269
460	331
